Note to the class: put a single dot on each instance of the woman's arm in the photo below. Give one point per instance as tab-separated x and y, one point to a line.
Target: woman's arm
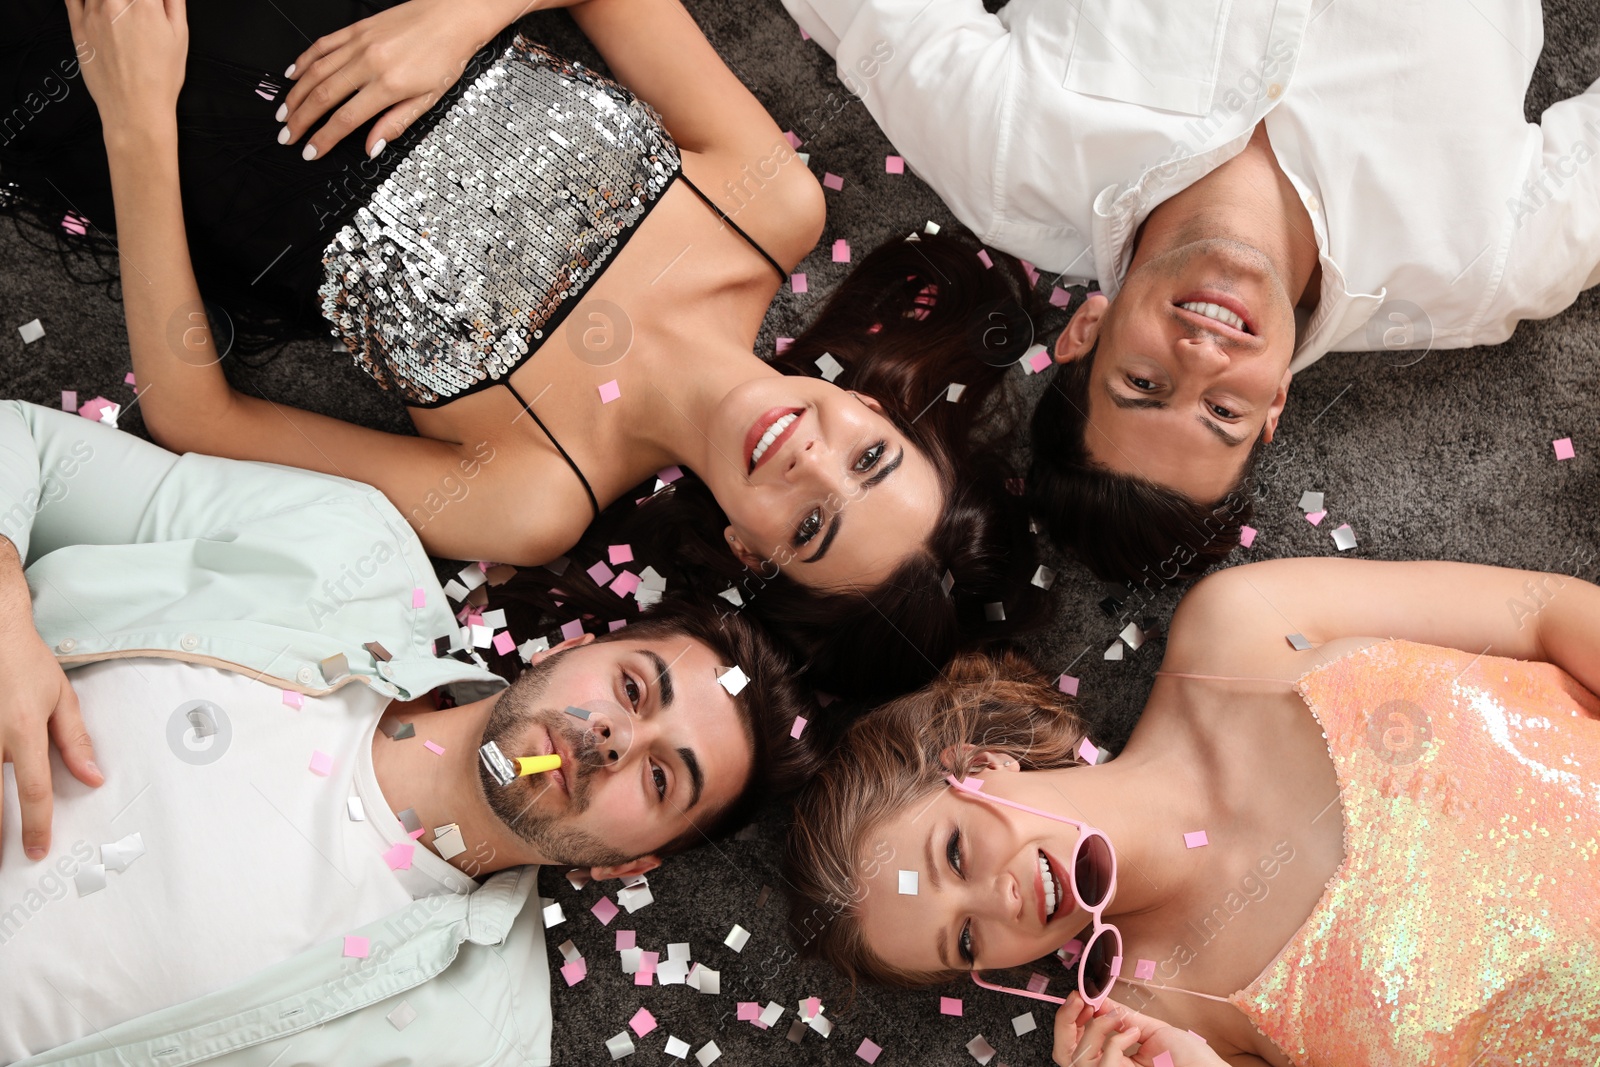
1240	614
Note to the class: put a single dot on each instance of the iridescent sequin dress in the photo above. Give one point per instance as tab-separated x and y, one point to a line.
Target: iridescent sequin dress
1463	927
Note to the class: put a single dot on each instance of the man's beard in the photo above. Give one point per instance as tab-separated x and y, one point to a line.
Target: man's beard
514	805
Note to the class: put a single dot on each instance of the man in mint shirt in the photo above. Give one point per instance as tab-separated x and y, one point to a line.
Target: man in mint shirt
281	850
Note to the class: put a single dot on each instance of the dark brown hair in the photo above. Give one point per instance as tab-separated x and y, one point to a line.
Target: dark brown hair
914	318
894	757
1119	525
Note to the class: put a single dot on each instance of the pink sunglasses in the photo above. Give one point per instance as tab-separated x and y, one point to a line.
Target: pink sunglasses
1094	880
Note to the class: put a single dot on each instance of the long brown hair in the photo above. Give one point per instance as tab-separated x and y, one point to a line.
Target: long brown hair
895	757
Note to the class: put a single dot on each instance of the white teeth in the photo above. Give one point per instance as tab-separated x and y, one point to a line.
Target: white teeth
1052	892
1215	311
770	436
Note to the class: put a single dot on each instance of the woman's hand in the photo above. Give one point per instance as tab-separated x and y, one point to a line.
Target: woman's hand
132	53
37	705
398	62
1103	1036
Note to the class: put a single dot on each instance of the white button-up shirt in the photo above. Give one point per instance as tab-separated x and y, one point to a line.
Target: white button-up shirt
1053	128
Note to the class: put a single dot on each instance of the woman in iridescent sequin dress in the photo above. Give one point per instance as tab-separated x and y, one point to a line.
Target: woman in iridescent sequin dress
1317	848
543	228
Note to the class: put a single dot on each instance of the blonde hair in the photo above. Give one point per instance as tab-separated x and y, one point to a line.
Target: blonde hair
894	757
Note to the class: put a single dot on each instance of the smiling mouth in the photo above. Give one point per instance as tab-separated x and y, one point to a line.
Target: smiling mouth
1054	890
771	436
1216	313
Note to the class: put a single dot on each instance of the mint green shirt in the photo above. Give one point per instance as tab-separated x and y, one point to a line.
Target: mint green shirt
269	571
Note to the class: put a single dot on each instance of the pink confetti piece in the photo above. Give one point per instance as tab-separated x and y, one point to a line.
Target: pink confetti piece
642	1022
503	643
575	972
600	574
69	400
983	257
357	947
321	763
949	1005
610	391
804	36
92	409
1059	297
627	939
293	699
434	747
619	554
128	378
1088	752
1315	518
972	784
1195	839
1068	954
781	345
869	1050
604	910
615	624
1161	1059
1247	536
419	597
670	474
747	1010
794	141
833	181
799	727
399	856
74	223
1116	966
797	283
1068	685
1563	448
1145	969
812	1007
571	630
841	251
416	835
1037	983
894	164
627	584
1040	360
1031	271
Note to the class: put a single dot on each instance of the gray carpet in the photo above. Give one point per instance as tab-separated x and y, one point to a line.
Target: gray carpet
1449	458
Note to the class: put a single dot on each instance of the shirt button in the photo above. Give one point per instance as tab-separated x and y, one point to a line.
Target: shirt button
189	642
67	644
305	676
1274	91
385	670
1313	203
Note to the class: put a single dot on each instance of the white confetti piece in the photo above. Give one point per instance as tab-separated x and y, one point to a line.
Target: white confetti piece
731	595
678	951
635	897
554	916
733	680
402	1016
472	576
981	1050
830	367
1024	1024
1298	642
995	612
1310	501
1344	538
632	958
120	854
1044	577
495	620
737	938
1132	635
672	972
619	1046
1115	651
448	843
91	878
31	331
908	883
772	1012
578	878
569	951
353	808
677	1048
455	590
954	391
709	1053
705	980
931	228
821	1024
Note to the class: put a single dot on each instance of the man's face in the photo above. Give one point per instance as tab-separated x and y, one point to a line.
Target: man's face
1191	366
662	749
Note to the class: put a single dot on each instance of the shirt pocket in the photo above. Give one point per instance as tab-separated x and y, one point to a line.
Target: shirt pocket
1163	55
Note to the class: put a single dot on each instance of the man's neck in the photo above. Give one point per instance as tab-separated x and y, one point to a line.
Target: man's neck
444	787
1248	199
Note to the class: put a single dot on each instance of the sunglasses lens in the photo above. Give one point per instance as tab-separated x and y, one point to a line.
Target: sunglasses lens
1092	872
1106	946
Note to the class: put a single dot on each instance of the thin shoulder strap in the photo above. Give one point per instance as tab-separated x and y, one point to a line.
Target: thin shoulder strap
593	503
782	274
1221	677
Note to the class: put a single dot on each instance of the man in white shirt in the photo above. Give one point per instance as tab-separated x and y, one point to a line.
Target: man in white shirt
1253	183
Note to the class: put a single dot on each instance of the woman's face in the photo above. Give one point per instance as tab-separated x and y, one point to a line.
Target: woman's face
820	482
983	899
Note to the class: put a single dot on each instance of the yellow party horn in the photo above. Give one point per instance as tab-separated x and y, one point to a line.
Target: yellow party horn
527	765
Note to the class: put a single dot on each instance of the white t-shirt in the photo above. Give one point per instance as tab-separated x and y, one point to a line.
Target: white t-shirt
250	856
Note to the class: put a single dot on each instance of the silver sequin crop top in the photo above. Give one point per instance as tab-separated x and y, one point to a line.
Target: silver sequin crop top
481	240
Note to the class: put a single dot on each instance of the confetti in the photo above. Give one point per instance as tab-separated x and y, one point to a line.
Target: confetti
503	643
771	1013
1037	983
833	181
1068	953
709	1053
995	612
605	911
1310	501
357	947
737	938
600	574
399	856
72	222
1298	642
830	367
642	1022
627	584
908	883
447	841
646	974
434	747
1024	1024
677	1048
455	590
841	251
869	1050
670	474
1036	359
91	878
553	915
797	1031
930	228
794	141
1563	448
1161	1059
1132	636
1059	297
1195	839
983	257
797	283
620	1045
747	1010
1344	538
672	972
627	939
631	959
953	393
293	699
1315	517
335	668
575	971
949	1005
610	391
69	400
572	630
733	680
799	727
981	1050
947	582
706	980
102	411
1068	685
781	344
894	164
119	855
1115	651
482	636
635	897
1247	536
1044	577
1144	969
472	576
1031	271
354	808
1088	752
810	1008
321	763
31	331
532	647
495	620
402	1016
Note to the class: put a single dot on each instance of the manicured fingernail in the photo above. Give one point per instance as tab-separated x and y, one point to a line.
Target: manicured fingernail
35	853
290	72
282	113
310	153
283	135
377	148
94	768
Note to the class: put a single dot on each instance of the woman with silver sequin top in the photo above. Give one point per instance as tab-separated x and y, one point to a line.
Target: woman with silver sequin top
543	228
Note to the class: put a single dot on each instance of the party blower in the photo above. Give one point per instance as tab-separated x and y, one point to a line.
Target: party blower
612	732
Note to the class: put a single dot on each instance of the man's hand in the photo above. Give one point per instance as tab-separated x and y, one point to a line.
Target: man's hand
37	706
398	62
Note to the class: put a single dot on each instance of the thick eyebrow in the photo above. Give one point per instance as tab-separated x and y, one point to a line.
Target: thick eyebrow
942	942
663	678
872	482
1140	402
696	777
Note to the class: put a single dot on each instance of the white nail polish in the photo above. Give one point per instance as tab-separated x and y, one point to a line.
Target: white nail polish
377	148
282	113
290	72
283	135
310	153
